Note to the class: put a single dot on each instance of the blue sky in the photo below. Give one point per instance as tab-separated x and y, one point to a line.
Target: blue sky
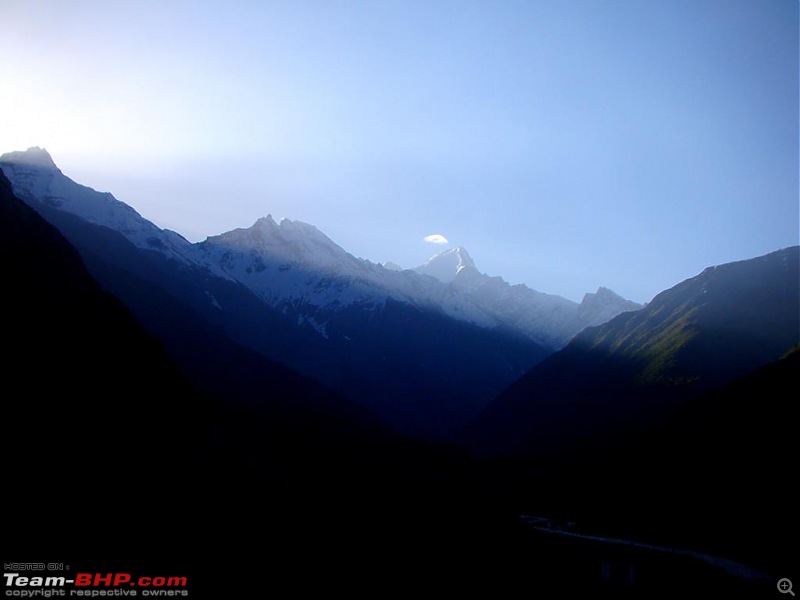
566	144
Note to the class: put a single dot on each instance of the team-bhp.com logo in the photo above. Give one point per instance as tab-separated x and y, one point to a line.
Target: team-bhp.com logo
93	585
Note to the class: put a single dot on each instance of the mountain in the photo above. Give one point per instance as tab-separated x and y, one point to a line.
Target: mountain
174	299
198	361
470	296
633	370
106	428
153	414
446	265
549	319
399	343
97	416
35	177
293	263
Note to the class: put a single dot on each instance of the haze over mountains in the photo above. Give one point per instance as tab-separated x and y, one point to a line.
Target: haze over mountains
471	295
132	432
269	362
549	318
425	350
86	386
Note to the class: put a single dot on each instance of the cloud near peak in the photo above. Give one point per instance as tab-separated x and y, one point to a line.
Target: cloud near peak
436	238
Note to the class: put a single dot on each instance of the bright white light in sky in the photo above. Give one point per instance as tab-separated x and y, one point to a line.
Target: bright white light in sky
628	144
436	238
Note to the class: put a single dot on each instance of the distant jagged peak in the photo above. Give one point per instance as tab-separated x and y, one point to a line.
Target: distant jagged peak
269	223
268	228
604	304
265	222
33	156
392	266
293	241
446	265
288	230
602	293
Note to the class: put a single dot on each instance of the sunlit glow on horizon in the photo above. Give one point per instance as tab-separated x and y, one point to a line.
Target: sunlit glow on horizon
648	160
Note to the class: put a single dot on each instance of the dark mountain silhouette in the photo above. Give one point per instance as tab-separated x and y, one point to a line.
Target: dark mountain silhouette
91	398
126	451
165	299
158	417
711	477
423	372
632	371
217	375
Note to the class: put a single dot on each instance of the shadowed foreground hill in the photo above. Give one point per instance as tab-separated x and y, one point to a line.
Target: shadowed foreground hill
93	407
130	456
708	478
129	459
633	370
109	399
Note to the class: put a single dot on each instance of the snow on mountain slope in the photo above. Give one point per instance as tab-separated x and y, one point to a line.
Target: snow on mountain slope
36	178
446	265
293	264
546	318
295	267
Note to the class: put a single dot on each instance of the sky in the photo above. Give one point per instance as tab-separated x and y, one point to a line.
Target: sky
566	144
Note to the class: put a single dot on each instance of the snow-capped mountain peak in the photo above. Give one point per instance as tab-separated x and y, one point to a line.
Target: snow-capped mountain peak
33	156
446	265
297	269
288	242
37	180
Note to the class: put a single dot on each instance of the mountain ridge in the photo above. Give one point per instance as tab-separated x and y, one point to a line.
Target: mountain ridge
469	295
388	347
703	332
638	369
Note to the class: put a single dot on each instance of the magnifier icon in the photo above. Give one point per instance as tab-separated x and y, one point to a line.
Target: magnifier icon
785	586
